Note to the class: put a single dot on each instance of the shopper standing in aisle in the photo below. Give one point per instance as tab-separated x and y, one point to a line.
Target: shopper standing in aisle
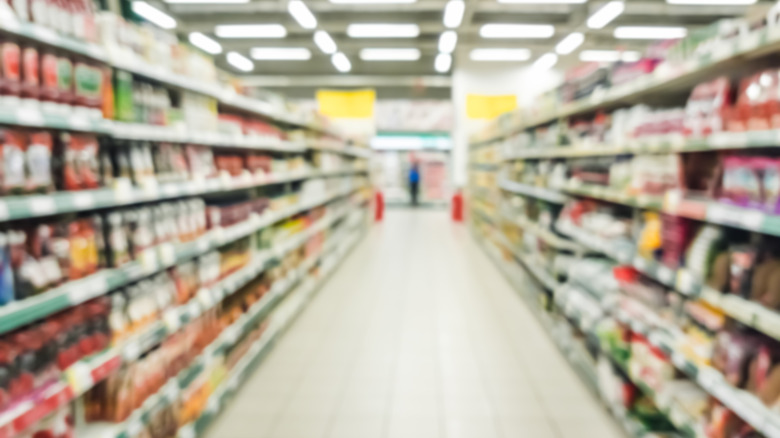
414	182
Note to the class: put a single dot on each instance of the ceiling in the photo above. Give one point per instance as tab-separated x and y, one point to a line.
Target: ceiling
335	17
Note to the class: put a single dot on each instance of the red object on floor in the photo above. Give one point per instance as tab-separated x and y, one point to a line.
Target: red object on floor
457	206
380	206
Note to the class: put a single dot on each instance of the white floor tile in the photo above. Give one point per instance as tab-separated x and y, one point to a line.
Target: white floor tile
416	335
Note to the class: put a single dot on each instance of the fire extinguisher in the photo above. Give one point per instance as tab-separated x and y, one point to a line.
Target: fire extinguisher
457	206
380	206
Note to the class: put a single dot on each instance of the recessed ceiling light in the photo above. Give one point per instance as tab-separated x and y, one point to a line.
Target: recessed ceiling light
280	53
605	14
609	56
650	32
250	31
497	30
323	40
539	2
570	43
301	13
205	43
500	55
383	30
443	62
447	41
153	15
375	2
341	62
453	13
193	2
240	61
545	62
390	54
712	2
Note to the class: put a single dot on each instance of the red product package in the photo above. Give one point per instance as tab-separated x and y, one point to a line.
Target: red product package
31	73
81	168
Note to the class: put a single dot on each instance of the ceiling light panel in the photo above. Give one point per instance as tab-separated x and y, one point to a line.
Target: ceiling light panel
497	30
205	43
712	2
506	55
569	43
341	62
240	61
650	32
605	14
609	56
405	54
447	41
324	42
250	31
280	54
443	62
453	13
153	15
546	61
301	13
371	2
543	2
383	30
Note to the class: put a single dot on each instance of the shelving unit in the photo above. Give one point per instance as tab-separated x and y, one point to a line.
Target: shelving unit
541	233
285	224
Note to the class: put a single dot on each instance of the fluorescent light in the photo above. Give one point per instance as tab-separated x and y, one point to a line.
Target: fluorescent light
495	30
712	2
605	14
302	14
447	41
500	55
323	40
443	62
390	54
153	15
453	13
280	53
240	61
369	2
650	32
206	1
250	31
545	62
570	43
547	2
609	56
205	43
341	62
383	30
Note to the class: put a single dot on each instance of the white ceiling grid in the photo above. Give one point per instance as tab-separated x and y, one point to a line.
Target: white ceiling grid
277	41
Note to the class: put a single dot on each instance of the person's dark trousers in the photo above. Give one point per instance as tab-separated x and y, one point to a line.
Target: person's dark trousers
414	189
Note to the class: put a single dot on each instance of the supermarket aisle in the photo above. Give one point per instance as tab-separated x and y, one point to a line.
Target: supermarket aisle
416	335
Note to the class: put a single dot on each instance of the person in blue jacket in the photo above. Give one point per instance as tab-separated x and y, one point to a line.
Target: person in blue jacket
414	182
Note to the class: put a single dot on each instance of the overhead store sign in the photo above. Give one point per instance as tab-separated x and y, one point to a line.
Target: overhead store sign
337	104
480	106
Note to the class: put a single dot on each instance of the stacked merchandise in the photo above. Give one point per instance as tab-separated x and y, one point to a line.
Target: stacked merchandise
152	220
653	229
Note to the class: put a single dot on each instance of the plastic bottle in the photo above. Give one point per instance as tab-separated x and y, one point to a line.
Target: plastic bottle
6	275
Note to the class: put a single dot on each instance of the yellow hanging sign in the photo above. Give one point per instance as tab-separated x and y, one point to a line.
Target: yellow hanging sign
479	106
357	104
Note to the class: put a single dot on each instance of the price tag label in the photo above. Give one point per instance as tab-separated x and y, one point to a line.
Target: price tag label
123	190
87	289
78	122
194	310
170	190
134	427
187	431
665	275
225	180
203	245
132	350
213	405
150	188
684	282
205	298
79	376
83	200
42	205
4	214
172	391
148	259
641	263
29	116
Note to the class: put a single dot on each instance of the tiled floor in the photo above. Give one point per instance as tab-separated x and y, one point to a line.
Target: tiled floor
416	335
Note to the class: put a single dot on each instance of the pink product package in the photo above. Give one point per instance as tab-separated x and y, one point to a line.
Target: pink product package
752	182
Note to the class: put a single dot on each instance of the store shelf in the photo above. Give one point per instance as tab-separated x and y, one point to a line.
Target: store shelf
536	270
544	234
77	119
664	79
30	206
657	145
546	194
22	312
